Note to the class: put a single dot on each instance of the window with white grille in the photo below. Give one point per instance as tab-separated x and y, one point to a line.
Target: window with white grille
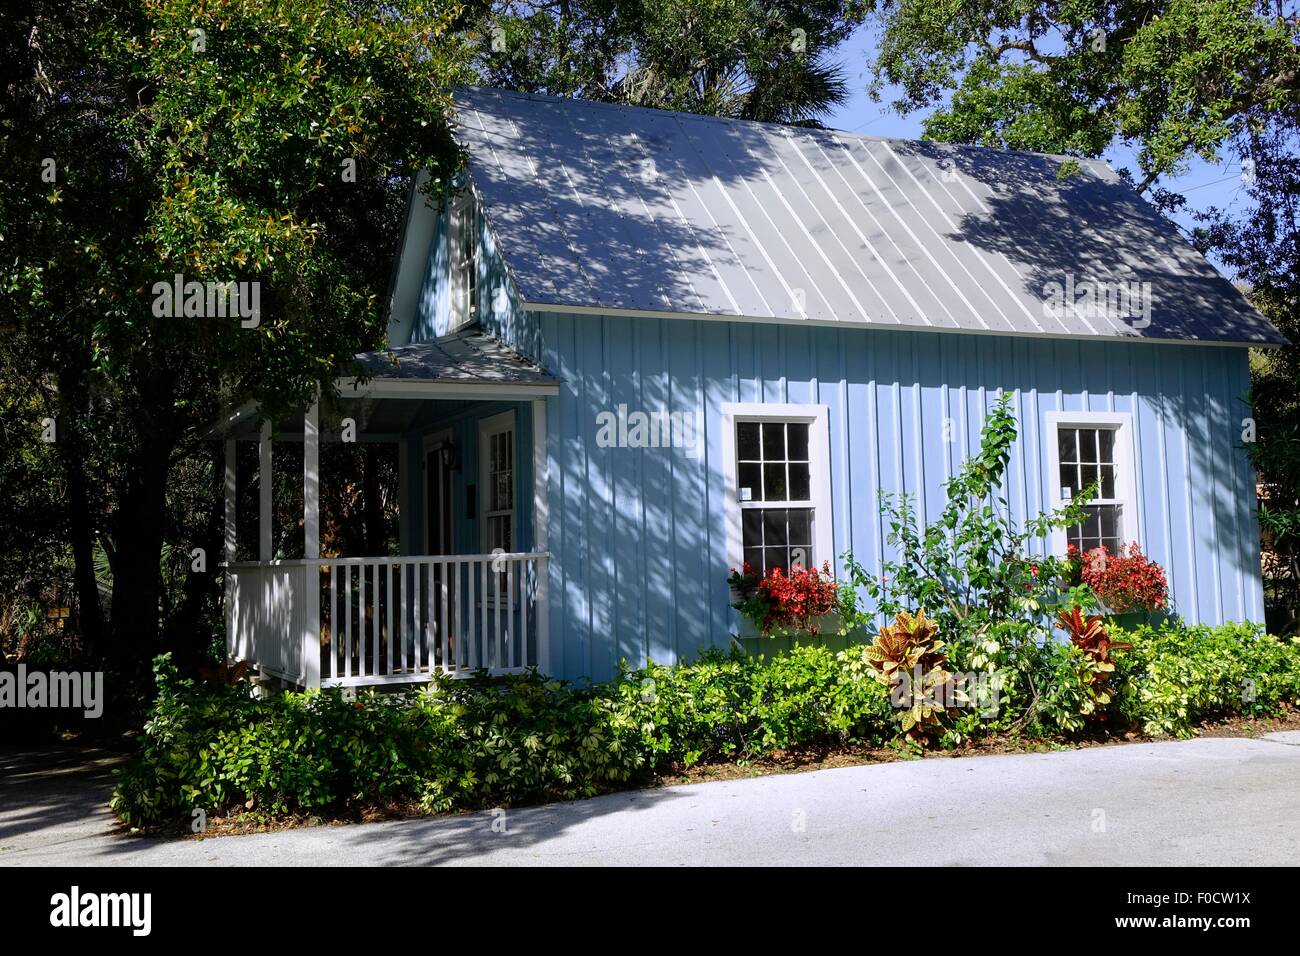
465	244
1094	450
779	473
497	481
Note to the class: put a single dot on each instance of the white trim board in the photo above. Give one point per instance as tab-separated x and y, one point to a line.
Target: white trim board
350	388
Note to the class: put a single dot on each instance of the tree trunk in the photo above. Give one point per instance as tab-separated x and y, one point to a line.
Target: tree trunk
81	527
140	526
200	591
140	523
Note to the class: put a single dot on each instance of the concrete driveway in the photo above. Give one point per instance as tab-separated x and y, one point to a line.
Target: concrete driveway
1198	802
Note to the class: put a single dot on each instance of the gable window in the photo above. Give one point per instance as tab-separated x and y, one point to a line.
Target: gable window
464	260
1095	448
497	482
778	479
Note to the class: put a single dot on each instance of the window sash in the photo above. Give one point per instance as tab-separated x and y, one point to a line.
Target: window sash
497	458
1082	447
465	259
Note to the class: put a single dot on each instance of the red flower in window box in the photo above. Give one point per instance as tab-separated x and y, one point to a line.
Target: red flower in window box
793	601
1126	581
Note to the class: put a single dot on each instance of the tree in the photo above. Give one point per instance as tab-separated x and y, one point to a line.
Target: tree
738	58
1176	79
266	144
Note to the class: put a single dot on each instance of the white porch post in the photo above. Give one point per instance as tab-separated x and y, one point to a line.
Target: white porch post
264	486
541	536
311	482
311	642
230	551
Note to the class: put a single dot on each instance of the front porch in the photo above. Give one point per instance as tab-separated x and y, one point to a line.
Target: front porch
467	589
368	621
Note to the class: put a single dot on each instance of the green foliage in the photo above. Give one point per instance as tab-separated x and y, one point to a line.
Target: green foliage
1091	636
462	744
908	657
971	572
738	58
1177	77
1176	676
725	706
465	744
970	567
141	139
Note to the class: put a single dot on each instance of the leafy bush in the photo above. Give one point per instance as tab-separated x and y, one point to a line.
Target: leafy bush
1092	637
972	571
461	744
728	705
1176	676
454	744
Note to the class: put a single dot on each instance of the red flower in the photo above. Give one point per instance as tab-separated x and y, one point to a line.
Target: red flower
1126	581
797	599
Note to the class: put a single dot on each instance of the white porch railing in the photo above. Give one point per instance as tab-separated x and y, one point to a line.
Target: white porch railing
336	622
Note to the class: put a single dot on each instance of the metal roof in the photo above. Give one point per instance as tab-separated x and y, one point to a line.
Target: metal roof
626	209
468	357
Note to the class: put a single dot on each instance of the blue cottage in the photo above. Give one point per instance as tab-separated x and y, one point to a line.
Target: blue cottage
631	349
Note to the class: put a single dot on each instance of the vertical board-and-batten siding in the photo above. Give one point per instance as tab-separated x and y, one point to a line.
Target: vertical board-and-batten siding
639	535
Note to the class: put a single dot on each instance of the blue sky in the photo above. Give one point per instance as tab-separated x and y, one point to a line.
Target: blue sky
1203	184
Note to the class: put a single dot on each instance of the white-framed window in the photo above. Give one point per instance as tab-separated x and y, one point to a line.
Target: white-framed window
1095	447
777	468
464	258
496	442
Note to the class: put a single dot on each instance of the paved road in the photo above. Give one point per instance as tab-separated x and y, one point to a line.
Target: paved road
1206	802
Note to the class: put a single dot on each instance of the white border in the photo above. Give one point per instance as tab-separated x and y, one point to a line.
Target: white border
819	457
1125	466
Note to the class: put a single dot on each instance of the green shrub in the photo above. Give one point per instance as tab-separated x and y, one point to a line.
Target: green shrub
462	744
1176	676
465	744
456	744
729	705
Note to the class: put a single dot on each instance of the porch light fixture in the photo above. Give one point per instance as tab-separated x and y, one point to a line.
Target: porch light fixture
448	456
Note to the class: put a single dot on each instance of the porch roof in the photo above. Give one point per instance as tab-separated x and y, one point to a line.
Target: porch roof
468	365
468	357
